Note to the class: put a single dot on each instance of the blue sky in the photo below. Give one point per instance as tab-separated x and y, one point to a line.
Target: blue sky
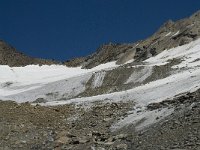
64	29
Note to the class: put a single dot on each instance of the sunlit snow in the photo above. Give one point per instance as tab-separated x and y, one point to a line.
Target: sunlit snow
31	82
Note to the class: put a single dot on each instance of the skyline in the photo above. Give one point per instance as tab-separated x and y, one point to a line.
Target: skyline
63	30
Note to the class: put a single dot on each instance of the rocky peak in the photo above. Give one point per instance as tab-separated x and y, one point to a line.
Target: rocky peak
170	34
12	57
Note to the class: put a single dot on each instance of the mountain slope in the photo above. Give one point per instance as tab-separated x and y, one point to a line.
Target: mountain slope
171	34
10	56
143	95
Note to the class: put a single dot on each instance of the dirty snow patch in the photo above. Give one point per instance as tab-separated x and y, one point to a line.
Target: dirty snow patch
98	79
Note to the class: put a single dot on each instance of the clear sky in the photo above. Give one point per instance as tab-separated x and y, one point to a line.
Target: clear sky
64	29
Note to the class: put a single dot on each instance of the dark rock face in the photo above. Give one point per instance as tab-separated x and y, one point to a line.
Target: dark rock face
10	56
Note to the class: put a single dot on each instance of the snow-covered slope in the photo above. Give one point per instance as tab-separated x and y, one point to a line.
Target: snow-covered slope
62	85
31	82
184	78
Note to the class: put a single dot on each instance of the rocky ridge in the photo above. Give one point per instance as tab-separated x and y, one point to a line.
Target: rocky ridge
171	34
10	56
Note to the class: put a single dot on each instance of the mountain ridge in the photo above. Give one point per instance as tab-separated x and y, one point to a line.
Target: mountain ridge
151	46
165	37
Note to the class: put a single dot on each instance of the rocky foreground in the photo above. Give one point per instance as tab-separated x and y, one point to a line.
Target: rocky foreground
25	126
